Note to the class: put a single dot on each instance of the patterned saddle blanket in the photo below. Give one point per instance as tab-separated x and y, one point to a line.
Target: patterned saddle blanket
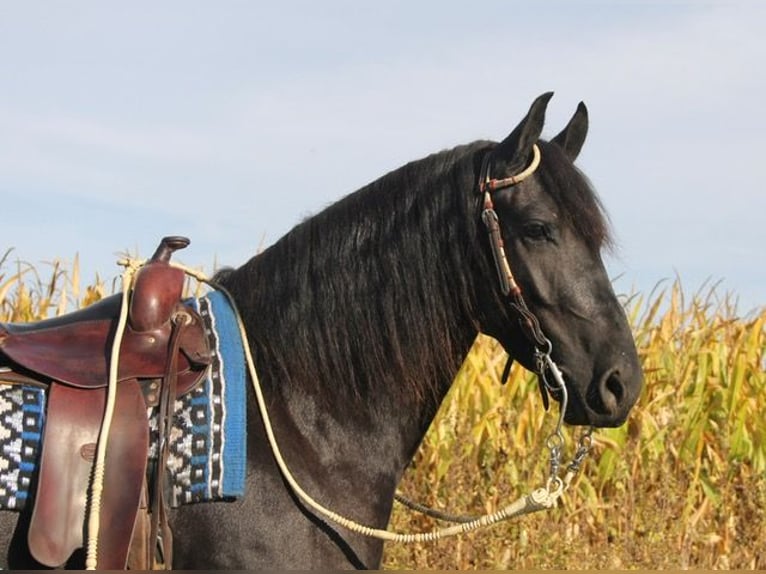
207	459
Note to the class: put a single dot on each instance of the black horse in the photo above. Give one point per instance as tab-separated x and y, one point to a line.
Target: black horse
360	317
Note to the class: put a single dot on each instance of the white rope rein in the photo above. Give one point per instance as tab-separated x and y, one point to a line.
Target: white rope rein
539	499
97	488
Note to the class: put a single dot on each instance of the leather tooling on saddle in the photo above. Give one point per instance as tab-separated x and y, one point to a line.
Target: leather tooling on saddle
53	377
207	443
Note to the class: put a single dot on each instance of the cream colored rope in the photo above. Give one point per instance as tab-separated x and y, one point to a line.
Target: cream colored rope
539	499
97	487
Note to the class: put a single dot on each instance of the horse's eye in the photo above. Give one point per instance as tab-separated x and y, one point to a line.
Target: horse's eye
536	231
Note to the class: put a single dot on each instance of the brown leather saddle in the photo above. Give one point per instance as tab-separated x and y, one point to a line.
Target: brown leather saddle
164	353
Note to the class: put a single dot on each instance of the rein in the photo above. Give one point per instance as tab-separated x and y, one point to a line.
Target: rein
542	498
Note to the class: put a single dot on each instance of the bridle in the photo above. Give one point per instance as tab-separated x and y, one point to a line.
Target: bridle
487	185
510	289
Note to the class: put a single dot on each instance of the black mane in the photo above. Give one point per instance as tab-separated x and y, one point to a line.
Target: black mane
362	296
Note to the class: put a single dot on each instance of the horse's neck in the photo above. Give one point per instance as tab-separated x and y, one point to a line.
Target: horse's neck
378	432
359	324
382	427
348	458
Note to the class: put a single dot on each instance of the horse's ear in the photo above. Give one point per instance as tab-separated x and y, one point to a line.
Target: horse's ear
513	152
573	135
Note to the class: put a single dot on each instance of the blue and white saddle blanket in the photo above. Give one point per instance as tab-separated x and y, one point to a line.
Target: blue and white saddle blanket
208	446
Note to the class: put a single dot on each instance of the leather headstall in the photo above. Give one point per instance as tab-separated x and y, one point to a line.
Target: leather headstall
530	325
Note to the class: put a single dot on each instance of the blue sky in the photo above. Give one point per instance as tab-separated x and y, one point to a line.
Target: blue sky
232	121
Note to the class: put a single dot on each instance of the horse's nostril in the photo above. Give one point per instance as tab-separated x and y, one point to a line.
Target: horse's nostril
611	391
615	386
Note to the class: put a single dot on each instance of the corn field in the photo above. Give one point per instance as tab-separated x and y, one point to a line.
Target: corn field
681	485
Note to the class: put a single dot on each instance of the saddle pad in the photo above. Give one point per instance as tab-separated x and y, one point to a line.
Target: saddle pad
22	415
208	449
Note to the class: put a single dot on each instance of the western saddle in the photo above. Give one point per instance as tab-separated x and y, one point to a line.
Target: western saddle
164	353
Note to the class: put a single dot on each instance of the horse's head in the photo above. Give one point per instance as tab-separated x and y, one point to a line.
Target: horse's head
553	231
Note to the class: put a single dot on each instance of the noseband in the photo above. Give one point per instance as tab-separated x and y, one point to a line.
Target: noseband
510	289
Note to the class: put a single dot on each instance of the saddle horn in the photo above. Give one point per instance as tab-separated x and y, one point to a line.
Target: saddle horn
168	245
157	288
